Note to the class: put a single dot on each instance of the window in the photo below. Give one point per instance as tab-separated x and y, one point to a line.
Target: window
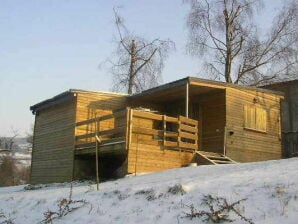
255	118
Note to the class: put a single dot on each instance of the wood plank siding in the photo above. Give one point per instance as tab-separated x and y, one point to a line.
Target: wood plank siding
54	134
52	156
144	158
212	120
244	144
96	104
243	122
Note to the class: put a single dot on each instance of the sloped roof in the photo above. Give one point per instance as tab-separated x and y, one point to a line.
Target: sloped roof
64	97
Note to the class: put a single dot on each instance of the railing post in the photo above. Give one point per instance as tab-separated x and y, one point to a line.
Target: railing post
97	128
130	126
127	127
179	132
164	119
187	100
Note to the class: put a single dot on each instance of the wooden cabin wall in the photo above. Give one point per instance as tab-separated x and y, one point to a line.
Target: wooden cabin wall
144	158
90	104
244	145
52	156
212	120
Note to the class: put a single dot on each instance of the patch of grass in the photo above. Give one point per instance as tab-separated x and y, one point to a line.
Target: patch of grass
149	193
65	206
284	196
4	219
176	189
218	210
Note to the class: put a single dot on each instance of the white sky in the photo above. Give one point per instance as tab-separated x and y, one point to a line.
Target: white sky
47	47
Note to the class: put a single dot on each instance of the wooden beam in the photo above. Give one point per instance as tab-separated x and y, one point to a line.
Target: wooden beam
96	155
147	115
117	114
118	130
187	100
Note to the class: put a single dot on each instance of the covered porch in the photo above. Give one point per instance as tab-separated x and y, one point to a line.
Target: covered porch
166	127
203	102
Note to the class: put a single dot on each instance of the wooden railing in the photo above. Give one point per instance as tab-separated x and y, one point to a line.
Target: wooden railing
132	125
171	132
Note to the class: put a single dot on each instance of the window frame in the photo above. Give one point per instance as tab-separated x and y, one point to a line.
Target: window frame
262	112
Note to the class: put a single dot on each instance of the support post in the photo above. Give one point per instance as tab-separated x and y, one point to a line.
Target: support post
164	119
96	154
187	99
225	140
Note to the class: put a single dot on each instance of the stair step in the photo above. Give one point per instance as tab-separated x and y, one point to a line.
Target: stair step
218	157
210	153
222	162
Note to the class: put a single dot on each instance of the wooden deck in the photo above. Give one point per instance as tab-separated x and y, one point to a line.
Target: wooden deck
131	125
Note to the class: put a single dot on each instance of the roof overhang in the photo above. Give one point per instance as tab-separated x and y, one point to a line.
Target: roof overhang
56	100
177	90
65	97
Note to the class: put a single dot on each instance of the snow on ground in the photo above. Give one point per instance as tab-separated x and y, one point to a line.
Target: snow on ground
270	189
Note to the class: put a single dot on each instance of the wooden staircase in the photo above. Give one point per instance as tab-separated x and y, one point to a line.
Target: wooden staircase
213	158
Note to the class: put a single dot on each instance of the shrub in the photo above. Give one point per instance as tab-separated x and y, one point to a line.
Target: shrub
65	206
219	210
10	174
8	171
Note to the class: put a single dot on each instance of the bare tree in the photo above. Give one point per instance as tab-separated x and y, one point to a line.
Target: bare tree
137	63
237	51
8	142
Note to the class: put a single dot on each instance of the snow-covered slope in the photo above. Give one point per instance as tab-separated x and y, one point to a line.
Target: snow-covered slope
270	189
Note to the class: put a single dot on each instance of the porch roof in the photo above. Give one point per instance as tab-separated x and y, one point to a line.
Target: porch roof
176	90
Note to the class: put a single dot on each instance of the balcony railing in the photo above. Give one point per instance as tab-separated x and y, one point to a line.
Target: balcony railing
135	126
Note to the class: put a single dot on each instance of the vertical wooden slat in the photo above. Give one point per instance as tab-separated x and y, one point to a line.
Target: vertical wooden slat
128	121
96	154
164	118
179	132
187	100
197	134
130	127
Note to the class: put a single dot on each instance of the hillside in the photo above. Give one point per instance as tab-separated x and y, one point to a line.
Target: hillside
269	190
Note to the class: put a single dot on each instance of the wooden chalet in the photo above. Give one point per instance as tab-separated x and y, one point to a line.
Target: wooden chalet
188	121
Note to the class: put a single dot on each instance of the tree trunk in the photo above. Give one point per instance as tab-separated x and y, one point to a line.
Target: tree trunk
132	66
228	61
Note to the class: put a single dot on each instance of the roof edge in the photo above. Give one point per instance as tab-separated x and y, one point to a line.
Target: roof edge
236	86
64	97
189	79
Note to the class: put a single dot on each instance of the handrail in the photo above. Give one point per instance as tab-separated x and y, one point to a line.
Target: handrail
104	135
186	135
173	132
117	114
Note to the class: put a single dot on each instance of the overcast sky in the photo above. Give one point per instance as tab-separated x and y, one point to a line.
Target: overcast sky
50	46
